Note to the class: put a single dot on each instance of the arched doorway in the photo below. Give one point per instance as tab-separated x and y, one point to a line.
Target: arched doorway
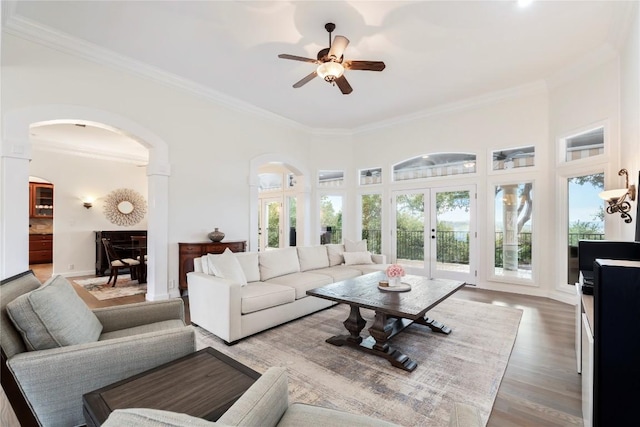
279	191
15	155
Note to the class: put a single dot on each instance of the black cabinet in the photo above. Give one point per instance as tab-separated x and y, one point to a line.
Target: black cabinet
116	237
616	341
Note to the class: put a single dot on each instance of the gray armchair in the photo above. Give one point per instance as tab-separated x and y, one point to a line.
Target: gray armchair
50	382
266	404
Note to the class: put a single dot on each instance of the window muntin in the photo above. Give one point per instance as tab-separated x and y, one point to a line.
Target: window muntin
435	165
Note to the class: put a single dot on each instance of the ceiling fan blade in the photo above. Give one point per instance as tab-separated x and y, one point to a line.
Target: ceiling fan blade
305	80
298	58
364	65
338	46
344	85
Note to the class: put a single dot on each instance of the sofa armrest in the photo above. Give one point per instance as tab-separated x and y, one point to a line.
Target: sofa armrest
463	415
54	380
215	305
379	259
144	313
263	404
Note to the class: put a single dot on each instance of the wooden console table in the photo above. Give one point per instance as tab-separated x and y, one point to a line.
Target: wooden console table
188	251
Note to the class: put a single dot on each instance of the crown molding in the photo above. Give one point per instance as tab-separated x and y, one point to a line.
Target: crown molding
32	31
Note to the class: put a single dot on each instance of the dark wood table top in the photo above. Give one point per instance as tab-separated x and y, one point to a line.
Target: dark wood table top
203	384
363	292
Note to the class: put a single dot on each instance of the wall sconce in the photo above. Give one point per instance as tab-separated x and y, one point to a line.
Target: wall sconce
617	199
87	202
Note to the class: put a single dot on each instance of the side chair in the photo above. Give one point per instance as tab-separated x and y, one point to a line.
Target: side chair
116	263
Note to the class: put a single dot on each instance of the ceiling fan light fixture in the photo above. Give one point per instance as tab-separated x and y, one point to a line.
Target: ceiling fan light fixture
330	71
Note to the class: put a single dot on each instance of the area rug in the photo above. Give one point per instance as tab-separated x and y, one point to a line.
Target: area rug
124	287
465	366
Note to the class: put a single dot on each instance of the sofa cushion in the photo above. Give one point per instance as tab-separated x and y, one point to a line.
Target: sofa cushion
351	246
227	266
258	296
355	258
53	316
278	262
302	282
312	257
250	265
370	268
335	251
339	272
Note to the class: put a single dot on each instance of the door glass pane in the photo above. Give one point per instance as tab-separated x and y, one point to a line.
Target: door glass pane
513	230
330	219
453	224
371	205
273	224
292	203
410	229
586	216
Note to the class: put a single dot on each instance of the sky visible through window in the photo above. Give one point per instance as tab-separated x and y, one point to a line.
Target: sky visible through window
584	203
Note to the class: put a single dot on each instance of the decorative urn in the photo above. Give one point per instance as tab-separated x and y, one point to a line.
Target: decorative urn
216	235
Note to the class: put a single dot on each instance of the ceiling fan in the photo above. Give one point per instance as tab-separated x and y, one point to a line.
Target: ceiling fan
331	63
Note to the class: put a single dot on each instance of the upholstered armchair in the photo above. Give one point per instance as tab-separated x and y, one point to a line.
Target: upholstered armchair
54	349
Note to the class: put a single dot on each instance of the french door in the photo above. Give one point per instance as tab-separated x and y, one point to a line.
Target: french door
433	232
271	223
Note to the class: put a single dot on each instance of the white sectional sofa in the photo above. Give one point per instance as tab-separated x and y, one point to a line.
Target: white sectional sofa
234	295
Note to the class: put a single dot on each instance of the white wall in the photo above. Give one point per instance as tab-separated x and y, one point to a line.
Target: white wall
630	112
74	225
211	146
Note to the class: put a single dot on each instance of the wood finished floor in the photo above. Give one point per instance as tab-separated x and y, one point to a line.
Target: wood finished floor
540	386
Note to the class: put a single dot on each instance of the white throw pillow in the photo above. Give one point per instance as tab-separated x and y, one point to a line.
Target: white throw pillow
355	258
335	251
351	246
209	264
312	257
249	263
228	267
278	262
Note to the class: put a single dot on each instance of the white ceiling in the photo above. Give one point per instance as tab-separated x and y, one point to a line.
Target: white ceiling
436	52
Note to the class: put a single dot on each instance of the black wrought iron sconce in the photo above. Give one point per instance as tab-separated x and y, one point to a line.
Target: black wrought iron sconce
617	199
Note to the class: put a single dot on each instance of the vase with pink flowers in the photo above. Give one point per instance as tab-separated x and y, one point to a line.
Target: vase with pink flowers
395	272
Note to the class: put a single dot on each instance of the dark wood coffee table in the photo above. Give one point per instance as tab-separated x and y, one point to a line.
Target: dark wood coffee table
395	311
203	384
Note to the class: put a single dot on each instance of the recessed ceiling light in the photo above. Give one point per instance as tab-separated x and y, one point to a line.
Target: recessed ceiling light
524	3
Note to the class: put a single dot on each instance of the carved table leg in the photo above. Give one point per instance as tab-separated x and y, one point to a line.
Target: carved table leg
354	324
434	325
381	331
